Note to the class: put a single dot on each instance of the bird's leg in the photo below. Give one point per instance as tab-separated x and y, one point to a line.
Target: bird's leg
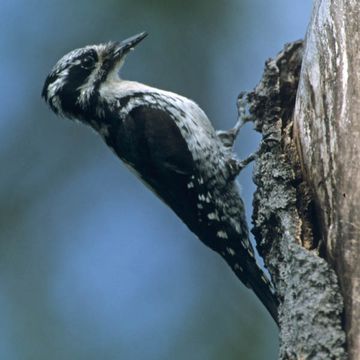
228	137
247	161
235	166
243	114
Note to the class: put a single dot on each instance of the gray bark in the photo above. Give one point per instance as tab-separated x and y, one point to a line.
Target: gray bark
327	130
285	227
306	207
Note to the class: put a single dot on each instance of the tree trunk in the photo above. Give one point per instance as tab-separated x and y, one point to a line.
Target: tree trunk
306	212
327	127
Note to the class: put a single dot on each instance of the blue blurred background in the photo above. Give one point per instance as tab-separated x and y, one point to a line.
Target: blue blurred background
93	265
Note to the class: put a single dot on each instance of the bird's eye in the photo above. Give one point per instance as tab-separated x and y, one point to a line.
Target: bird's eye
88	62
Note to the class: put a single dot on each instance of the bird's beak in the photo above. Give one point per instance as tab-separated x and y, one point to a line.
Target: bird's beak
123	47
116	52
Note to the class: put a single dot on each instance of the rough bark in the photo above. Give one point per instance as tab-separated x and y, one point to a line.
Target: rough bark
284	226
306	207
327	129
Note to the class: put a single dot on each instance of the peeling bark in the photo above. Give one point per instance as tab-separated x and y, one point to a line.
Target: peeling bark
327	129
306	207
285	228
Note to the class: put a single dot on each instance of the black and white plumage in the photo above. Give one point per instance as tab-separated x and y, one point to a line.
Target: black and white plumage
170	144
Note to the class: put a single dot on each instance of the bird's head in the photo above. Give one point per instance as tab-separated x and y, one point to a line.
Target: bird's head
73	83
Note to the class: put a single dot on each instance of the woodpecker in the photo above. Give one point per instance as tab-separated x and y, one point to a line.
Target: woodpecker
170	144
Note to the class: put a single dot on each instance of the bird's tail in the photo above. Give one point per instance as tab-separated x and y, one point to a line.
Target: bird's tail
263	289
